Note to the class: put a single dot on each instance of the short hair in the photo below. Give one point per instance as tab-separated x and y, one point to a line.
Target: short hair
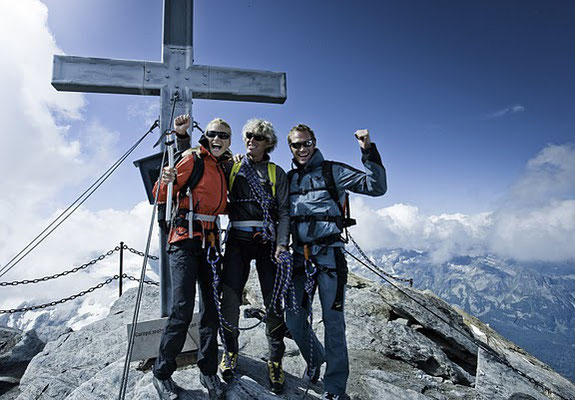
301	128
264	128
219	121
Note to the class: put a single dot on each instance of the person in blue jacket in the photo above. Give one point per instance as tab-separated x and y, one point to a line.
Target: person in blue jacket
317	191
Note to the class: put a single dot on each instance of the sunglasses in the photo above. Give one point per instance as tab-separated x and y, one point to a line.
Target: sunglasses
255	136
298	145
221	135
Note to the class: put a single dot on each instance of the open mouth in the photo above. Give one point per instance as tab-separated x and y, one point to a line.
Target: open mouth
216	146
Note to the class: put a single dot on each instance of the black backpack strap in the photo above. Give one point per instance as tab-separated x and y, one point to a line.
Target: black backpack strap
197	172
290	175
327	173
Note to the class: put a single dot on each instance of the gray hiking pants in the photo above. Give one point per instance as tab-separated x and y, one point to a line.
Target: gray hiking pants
335	352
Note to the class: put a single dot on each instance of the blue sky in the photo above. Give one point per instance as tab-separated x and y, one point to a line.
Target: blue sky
470	103
459	95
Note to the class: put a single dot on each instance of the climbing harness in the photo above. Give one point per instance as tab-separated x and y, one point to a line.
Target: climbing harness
342	221
282	284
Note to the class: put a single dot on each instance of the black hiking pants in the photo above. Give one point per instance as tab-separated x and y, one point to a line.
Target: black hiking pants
241	249
188	264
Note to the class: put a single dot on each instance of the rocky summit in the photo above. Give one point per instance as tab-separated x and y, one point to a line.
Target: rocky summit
403	344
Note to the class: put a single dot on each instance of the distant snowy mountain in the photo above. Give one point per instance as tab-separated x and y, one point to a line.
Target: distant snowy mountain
51	322
531	304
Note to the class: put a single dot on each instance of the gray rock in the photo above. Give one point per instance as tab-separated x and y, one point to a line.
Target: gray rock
76	357
496	381
389	358
17	348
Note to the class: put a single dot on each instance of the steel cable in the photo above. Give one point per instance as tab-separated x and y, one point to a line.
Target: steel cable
72	207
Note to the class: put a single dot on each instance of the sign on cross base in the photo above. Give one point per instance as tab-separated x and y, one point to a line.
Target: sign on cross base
176	73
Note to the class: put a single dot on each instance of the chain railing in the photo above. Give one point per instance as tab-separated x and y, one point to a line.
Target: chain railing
84	266
58	275
79	268
75	296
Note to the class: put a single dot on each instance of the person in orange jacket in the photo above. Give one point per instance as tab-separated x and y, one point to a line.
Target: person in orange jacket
192	235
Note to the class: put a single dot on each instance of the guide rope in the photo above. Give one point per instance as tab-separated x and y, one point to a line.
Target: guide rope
368	260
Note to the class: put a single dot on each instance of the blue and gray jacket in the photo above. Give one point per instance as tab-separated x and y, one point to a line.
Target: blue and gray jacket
315	216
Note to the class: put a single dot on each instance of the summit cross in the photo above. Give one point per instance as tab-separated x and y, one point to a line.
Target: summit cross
175	75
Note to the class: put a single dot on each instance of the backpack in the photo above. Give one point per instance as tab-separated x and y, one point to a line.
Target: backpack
327	172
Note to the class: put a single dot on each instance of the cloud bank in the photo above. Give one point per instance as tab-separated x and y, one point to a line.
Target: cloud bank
534	221
43	161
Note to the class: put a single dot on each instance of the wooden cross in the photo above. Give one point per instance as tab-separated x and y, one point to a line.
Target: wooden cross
177	73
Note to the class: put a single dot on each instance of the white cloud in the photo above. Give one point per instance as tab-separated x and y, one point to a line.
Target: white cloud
39	156
85	236
550	175
512	109
536	220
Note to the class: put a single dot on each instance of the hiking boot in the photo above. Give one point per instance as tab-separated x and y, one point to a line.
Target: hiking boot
214	386
331	396
276	376
166	388
311	373
228	371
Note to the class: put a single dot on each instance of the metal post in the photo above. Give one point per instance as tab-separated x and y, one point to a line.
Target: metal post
121	266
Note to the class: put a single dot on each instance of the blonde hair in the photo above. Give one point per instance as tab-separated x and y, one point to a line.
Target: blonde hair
218	121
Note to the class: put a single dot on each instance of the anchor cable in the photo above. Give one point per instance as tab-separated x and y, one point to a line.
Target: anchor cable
52	226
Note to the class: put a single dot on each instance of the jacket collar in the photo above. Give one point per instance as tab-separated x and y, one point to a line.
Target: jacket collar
315	160
265	158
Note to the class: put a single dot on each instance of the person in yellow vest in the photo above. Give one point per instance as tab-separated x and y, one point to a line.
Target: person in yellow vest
259	218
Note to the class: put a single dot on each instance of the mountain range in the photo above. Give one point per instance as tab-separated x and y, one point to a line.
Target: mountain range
531	304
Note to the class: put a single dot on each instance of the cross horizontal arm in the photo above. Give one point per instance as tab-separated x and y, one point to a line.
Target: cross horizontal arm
99	75
221	83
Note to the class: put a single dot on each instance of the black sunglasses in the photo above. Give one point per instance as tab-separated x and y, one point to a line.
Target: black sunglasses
298	145
221	135
255	136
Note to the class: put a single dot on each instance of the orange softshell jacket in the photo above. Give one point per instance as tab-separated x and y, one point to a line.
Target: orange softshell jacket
209	195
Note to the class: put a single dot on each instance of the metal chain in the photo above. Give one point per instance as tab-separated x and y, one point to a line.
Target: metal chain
75	296
71	271
79	268
65	299
133	278
366	258
140	253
